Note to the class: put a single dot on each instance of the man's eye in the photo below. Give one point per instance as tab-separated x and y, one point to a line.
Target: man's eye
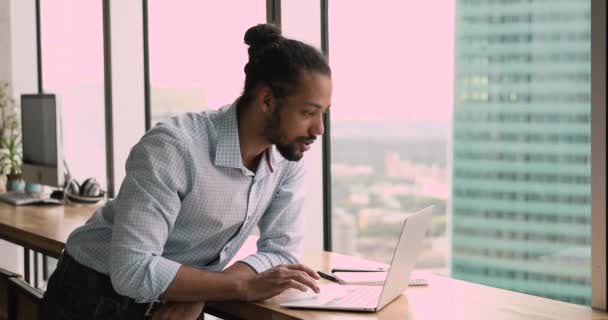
309	114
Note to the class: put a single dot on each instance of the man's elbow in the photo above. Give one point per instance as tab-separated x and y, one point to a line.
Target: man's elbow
127	280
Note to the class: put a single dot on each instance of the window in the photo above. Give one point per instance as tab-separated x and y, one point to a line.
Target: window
197	53
73	69
484	111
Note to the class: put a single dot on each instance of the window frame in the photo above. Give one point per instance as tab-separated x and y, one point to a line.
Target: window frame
599	241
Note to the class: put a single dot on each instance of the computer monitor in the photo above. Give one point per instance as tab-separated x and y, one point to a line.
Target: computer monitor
42	140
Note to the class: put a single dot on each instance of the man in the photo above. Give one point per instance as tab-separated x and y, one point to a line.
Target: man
196	186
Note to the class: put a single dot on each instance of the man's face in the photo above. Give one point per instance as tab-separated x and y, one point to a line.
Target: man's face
297	120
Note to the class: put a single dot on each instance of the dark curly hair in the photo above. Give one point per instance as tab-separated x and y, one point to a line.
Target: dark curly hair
278	62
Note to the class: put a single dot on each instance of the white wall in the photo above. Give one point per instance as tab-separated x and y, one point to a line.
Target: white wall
17	66
5	37
23	47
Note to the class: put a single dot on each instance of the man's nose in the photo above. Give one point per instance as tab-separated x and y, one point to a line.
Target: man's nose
318	128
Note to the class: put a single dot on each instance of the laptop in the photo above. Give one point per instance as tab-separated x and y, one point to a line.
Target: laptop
373	298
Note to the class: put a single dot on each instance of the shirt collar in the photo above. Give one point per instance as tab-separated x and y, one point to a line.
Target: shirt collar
274	156
228	148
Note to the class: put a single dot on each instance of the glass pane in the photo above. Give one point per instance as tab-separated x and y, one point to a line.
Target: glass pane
197	53
390	119
72	68
486	114
300	21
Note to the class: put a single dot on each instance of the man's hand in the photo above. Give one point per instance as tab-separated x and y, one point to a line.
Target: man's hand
179	310
278	279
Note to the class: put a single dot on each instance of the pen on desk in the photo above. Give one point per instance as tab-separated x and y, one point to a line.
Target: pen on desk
327	276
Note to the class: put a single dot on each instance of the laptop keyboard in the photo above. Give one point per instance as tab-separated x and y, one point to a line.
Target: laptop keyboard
359	296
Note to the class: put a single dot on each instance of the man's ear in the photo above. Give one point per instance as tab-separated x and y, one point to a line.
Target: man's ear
265	99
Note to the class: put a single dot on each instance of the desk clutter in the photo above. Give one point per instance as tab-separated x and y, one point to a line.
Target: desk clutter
89	192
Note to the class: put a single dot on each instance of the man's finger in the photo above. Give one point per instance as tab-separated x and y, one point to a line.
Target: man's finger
293	284
304	268
303	278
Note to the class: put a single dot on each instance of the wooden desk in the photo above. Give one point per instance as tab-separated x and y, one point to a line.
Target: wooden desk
41	228
46	229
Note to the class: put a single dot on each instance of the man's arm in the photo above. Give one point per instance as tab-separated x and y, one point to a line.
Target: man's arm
192	284
191	287
238	282
145	210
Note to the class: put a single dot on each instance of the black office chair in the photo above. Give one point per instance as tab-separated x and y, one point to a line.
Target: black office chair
25	301
5	275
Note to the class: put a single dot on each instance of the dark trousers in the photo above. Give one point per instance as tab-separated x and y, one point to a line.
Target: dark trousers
75	291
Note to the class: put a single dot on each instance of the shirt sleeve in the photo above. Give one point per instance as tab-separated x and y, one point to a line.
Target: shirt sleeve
145	212
281	226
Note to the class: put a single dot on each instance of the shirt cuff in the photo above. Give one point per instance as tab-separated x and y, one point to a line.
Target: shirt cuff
164	271
257	262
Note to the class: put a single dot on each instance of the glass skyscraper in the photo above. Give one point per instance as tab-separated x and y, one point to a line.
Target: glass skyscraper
521	194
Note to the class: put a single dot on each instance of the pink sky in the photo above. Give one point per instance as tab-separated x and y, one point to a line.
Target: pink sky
201	44
392	61
72	42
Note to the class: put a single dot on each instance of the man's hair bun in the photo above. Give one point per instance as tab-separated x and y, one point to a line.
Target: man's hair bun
277	62
262	35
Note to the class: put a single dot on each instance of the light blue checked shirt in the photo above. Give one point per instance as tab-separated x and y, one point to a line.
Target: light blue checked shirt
188	199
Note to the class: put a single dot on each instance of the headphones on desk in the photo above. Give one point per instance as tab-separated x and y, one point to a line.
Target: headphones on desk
88	192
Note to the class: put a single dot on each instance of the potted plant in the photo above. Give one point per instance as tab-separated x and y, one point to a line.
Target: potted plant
10	141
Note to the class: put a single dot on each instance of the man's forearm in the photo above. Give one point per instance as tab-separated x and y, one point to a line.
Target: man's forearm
192	284
240	270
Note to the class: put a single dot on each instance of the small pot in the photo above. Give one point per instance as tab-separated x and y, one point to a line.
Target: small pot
14	182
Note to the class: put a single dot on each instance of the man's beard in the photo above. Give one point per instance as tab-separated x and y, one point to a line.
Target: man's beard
272	130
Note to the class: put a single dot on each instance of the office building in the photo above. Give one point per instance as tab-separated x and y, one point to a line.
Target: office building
521	149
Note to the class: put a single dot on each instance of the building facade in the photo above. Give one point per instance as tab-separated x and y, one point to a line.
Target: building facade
521	195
